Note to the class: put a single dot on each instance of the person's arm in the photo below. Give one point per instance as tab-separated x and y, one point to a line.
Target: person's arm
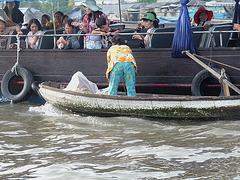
146	40
14	28
206	25
35	40
72	43
236	27
96	31
141	37
10	23
80	25
114	32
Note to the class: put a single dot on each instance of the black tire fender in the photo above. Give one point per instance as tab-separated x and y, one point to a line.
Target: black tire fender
26	91
200	77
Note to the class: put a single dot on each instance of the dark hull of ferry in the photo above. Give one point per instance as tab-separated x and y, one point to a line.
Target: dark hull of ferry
158	72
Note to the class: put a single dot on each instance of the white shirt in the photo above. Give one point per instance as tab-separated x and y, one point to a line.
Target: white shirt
30	39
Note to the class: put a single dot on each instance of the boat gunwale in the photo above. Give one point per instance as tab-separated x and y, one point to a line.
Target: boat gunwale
142	97
200	49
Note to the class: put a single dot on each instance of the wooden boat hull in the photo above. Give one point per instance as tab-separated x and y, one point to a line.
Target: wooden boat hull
158	72
154	106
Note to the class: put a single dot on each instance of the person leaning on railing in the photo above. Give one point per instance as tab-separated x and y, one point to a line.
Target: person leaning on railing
93	13
106	31
69	42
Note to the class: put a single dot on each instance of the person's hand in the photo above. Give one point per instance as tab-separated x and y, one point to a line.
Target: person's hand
77	24
136	36
20	32
94	25
103	33
32	46
140	25
74	23
11	46
236	27
108	33
117	31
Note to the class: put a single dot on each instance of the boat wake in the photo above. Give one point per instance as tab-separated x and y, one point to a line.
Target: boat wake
48	110
3	100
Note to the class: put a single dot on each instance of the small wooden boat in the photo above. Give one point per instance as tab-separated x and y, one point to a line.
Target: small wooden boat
143	105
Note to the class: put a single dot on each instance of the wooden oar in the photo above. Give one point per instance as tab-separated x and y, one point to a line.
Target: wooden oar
226	65
214	73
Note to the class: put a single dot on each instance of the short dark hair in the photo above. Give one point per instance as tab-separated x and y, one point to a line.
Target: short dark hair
69	23
64	16
117	39
46	16
59	12
34	21
100	22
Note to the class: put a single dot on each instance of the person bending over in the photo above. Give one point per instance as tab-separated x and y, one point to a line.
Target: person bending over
121	63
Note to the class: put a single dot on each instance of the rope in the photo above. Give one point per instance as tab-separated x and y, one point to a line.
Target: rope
14	68
226	65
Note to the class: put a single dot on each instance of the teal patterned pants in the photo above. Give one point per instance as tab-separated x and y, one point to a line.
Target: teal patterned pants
128	71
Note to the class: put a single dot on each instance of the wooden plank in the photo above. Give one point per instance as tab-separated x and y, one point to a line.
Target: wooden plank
214	73
225	86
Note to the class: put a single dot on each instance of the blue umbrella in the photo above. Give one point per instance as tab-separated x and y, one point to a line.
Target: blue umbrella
236	17
236	13
183	38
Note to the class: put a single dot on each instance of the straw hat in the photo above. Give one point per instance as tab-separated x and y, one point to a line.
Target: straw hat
91	4
1	19
200	10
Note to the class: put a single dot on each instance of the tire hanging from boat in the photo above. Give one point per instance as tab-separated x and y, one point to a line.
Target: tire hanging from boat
25	92
197	82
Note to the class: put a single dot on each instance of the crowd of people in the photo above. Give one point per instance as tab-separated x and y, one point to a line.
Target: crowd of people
95	24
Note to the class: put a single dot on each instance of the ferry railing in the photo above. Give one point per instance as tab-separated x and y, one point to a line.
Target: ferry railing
127	34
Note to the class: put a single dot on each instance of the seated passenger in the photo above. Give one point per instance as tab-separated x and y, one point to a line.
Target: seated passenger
58	19
203	18
105	31
44	20
64	19
150	22
34	28
121	63
69	42
4	30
